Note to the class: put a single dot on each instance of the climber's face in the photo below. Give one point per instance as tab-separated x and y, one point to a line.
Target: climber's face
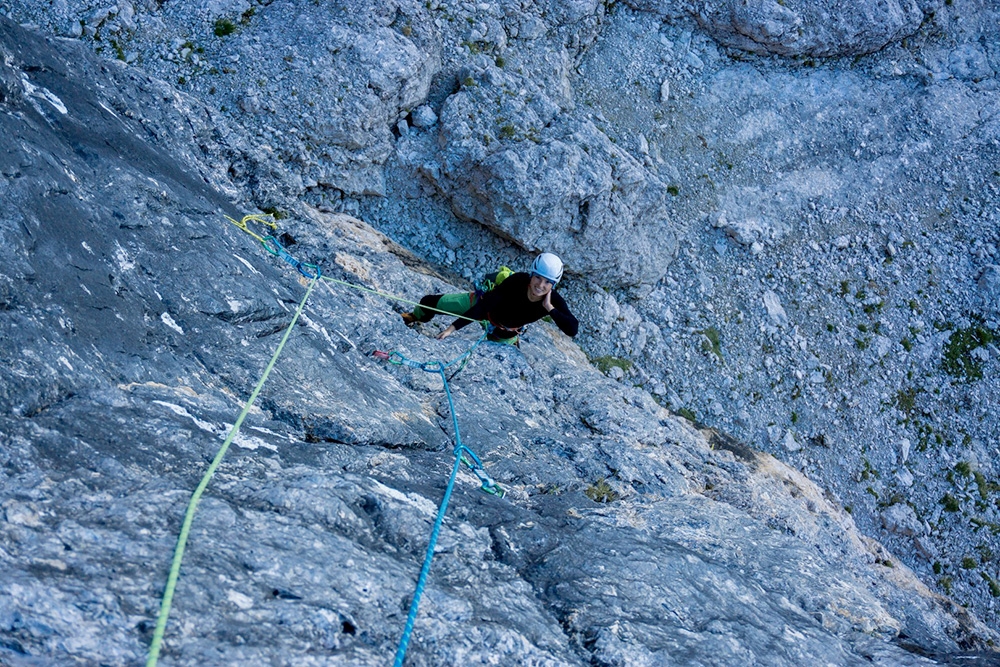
538	287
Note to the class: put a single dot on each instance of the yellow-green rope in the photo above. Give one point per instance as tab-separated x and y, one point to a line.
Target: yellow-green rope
175	567
395	298
242	224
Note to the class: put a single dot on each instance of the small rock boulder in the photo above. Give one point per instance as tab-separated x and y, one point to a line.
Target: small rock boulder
902	520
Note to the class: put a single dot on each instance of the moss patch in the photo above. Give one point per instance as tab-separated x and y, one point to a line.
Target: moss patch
712	341
688	414
605	363
950	503
224	27
906	400
601	492
992	583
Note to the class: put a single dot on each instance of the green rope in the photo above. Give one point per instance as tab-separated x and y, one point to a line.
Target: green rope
396	298
175	567
315	277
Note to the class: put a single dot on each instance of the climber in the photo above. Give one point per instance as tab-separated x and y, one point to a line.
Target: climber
515	301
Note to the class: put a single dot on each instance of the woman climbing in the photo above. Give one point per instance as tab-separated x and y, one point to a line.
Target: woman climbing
515	301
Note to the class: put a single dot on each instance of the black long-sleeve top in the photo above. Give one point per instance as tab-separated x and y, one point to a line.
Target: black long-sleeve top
508	306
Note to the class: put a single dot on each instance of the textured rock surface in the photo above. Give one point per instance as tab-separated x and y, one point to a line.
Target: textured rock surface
135	322
821	28
336	93
805	182
573	193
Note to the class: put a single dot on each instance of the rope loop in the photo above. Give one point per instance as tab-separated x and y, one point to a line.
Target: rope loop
433	366
462	450
255	217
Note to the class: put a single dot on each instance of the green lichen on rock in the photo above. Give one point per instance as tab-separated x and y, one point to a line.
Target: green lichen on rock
958	359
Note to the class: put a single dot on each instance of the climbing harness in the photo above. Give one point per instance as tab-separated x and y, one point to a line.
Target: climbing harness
462	453
175	566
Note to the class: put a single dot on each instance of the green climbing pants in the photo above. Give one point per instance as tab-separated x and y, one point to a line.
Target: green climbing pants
456	304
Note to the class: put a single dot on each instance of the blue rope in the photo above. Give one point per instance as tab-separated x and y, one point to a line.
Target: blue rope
434	366
462	455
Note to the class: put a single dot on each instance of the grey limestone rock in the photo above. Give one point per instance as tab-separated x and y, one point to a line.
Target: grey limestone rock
380	75
775	311
550	182
134	319
137	318
900	518
989	288
820	28
424	116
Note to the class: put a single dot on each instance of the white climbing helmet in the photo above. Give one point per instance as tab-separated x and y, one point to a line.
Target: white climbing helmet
547	266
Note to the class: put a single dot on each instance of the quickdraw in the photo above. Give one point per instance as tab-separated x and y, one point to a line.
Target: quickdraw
273	246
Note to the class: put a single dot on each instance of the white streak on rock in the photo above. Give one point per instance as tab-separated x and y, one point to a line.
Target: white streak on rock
43	94
247	264
242	601
169	321
176	409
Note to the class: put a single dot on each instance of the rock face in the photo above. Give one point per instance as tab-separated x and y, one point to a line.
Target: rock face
860	191
510	154
337	93
820	28
568	190
135	321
